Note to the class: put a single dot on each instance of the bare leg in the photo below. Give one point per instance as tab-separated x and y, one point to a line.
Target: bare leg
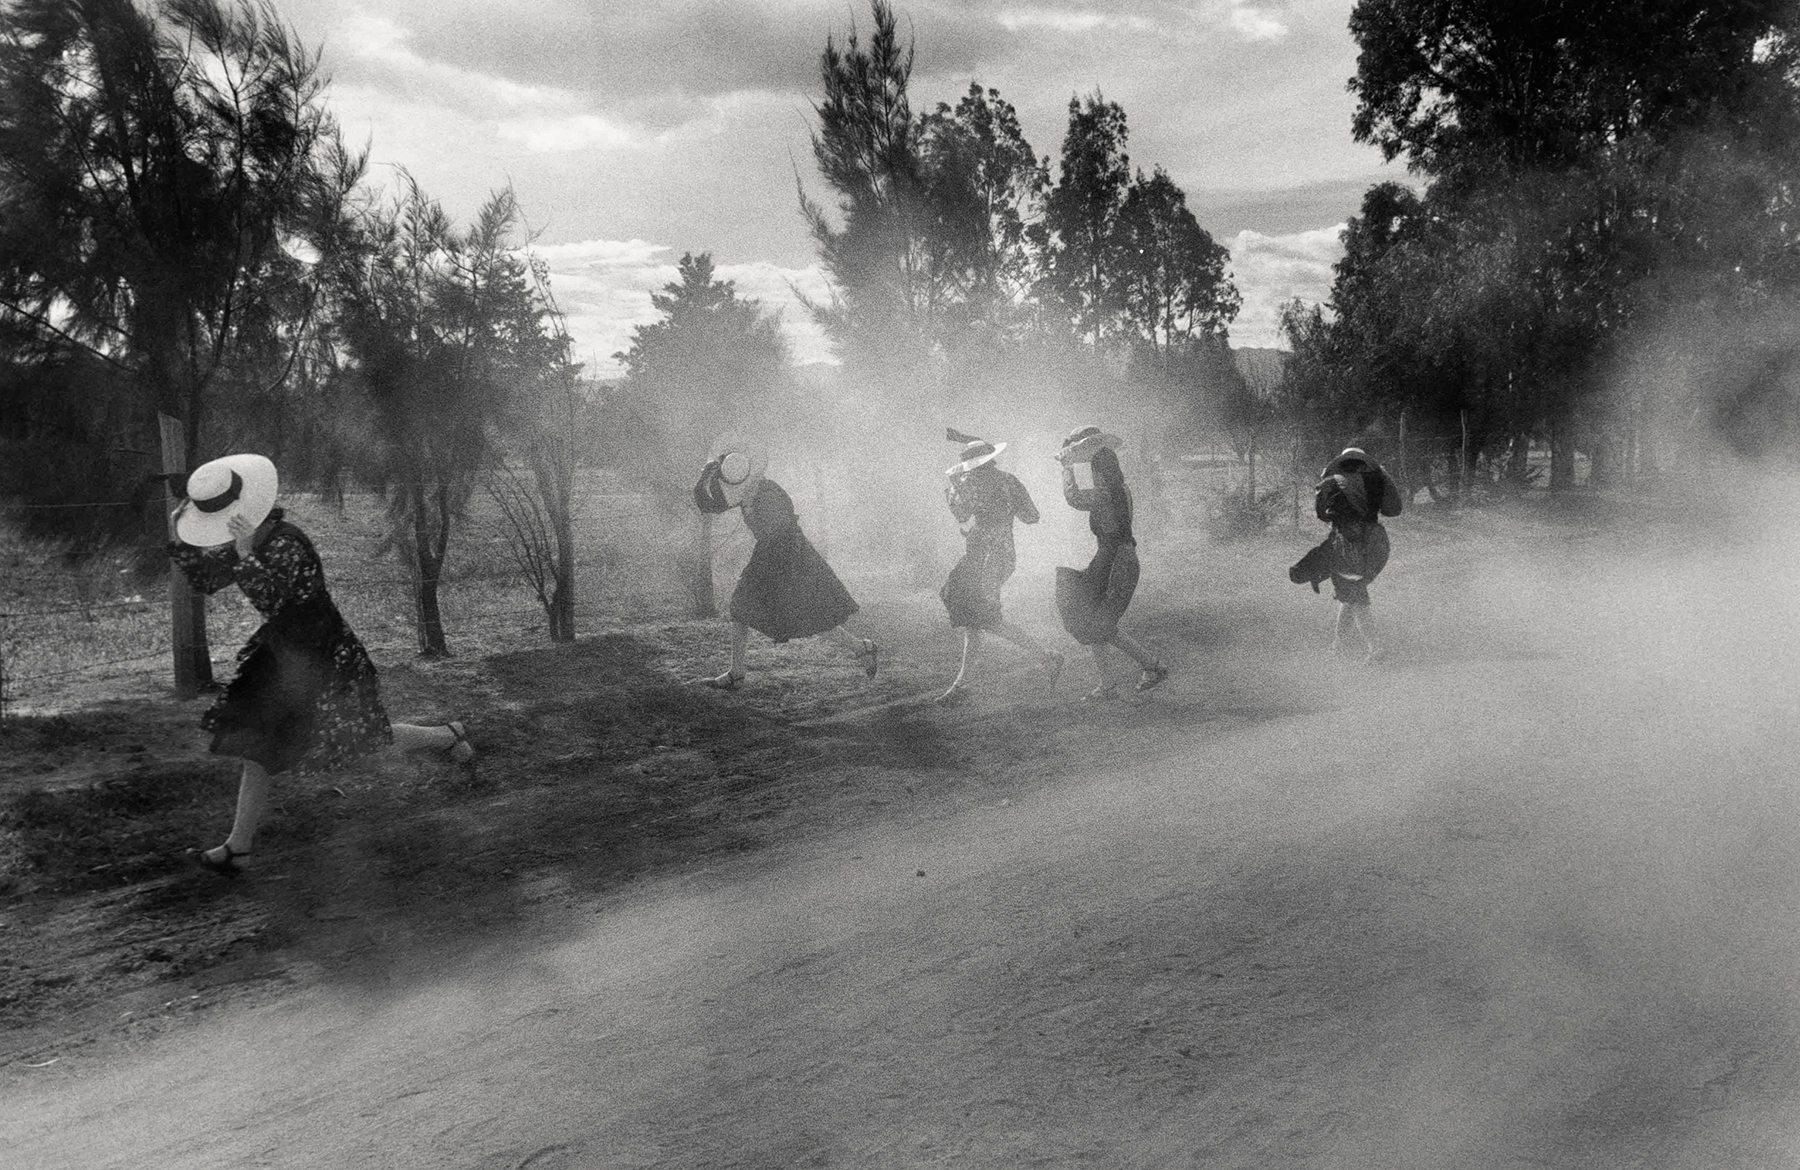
1154	672
1137	650
861	648
971	651
1345	620
413	737
252	802
1053	660
734	674
959	687
1107	688
1364	618
443	737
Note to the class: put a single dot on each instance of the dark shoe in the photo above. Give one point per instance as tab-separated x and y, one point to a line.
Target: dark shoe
227	865
872	652
1152	678
461	750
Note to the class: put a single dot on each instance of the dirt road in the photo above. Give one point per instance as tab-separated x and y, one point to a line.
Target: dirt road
1489	907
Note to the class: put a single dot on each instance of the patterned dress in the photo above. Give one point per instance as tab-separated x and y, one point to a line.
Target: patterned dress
305	695
787	590
987	499
1092	600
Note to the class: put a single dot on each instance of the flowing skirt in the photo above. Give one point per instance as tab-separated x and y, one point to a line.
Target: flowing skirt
788	591
1092	600
971	594
305	696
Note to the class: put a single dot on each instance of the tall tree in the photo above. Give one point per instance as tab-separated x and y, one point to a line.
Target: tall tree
153	169
985	190
876	254
1171	280
713	362
1082	215
442	327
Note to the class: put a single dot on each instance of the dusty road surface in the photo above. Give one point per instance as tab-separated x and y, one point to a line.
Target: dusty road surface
1524	895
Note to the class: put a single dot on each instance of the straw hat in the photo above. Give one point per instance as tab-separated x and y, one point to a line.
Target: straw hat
232	485
974	454
1084	442
740	467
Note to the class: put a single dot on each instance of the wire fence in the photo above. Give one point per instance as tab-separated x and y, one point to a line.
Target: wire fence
66	620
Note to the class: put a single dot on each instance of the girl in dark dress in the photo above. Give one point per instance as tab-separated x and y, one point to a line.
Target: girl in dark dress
1092	600
305	695
986	500
787	590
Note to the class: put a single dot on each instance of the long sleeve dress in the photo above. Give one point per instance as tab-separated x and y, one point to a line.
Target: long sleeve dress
1092	600
305	694
787	590
987	500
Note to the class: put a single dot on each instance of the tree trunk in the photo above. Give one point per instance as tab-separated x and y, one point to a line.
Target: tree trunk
1562	457
562	599
698	570
192	659
428	552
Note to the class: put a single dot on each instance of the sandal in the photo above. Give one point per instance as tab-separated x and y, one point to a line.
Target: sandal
226	866
1152	678
460	750
873	653
724	682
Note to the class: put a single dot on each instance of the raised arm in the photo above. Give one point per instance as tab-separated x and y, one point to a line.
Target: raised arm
1080	498
709	495
1022	507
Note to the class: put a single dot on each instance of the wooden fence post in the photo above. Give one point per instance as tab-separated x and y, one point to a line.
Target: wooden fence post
192	661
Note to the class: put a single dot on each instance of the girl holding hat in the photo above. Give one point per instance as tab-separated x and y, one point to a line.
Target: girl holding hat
787	590
1092	600
305	694
986	501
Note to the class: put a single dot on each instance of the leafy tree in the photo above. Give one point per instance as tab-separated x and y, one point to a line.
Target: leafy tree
1171	280
152	168
714	362
442	326
542	431
877	256
985	189
1082	216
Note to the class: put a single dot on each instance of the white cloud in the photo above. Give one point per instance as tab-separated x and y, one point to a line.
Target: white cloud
1049	20
1272	270
1255	24
543	119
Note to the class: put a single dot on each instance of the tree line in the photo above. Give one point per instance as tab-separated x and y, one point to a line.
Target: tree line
1599	248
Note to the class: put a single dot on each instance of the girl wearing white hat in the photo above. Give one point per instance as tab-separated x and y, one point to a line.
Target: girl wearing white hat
986	500
1092	600
787	590
305	694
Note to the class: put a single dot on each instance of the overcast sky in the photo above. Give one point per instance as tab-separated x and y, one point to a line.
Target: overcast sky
634	132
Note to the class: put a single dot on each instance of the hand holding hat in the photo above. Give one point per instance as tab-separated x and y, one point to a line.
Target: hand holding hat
1084	443
229	487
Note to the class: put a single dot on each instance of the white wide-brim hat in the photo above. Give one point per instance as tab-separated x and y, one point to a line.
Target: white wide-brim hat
974	455
232	485
1084	443
741	466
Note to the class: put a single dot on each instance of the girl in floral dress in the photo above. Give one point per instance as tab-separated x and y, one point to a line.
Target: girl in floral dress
305	695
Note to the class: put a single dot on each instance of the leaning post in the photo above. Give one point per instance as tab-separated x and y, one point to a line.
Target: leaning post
191	660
